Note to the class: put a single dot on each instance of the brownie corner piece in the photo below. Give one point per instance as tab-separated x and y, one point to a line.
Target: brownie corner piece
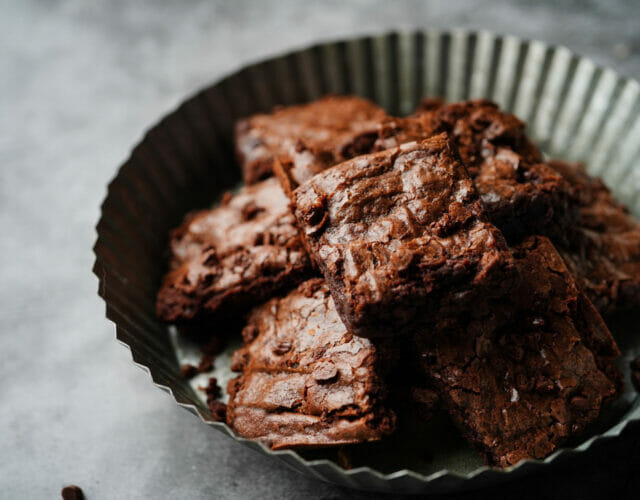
232	257
306	381
399	234
522	375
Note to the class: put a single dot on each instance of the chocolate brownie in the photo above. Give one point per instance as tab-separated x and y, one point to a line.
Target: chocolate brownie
523	195
521	375
306	381
234	256
306	138
603	250
400	234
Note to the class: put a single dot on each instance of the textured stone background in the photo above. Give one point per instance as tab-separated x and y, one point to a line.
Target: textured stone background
79	83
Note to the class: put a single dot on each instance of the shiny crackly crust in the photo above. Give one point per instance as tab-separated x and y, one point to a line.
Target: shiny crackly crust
521	376
306	138
233	256
603	250
523	195
400	234
306	381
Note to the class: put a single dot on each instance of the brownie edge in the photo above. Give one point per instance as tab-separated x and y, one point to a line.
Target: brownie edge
228	259
305	380
521	376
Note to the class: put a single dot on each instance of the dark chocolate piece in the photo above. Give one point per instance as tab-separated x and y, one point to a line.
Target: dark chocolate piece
523	195
306	138
401	234
521	375
603	249
230	258
306	381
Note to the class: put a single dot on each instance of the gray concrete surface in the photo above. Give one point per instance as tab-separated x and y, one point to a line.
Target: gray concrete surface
79	83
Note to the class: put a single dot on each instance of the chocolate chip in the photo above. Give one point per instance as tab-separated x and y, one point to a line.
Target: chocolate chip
249	333
208	279
359	145
579	403
250	210
211	259
72	492
300	147
189	371
258	239
315	213
282	347
325	371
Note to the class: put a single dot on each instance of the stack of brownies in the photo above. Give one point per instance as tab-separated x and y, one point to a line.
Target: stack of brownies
442	243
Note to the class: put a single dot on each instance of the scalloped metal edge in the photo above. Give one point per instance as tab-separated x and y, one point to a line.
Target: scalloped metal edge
290	457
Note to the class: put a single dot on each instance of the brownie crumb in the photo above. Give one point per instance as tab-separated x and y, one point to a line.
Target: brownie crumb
212	390
72	492
218	410
189	371
635	372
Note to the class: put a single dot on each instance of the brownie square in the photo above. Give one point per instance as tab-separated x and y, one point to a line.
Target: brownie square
401	234
306	381
232	257
306	138
523	196
521	375
603	248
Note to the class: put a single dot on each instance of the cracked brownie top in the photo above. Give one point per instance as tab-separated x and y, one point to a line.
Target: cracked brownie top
306	381
399	234
233	256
